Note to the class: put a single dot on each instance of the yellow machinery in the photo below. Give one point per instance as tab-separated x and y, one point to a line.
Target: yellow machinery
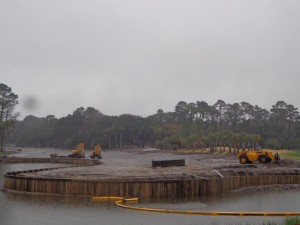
78	152
97	152
261	155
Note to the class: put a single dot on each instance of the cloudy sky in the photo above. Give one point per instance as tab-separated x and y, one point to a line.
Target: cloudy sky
138	56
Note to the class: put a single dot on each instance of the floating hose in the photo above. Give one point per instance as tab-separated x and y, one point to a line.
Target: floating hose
121	202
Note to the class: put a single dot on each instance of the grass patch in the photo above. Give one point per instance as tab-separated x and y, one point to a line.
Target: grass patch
283	153
292	221
7	153
218	151
293	154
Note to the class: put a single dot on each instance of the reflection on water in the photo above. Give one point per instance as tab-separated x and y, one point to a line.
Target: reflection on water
28	209
267	201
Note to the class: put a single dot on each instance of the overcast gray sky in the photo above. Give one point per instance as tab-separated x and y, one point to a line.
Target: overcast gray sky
138	56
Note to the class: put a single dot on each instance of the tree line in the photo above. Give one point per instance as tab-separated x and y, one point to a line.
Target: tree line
191	125
8	100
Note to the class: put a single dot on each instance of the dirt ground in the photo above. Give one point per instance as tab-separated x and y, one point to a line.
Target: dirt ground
137	164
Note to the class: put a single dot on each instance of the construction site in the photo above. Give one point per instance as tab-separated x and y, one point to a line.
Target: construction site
152	173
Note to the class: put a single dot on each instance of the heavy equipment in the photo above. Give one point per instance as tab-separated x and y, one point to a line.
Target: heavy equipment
96	152
78	152
262	156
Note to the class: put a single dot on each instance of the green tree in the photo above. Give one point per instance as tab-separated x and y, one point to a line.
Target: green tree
292	117
247	114
192	110
283	120
233	115
220	107
182	111
8	101
203	110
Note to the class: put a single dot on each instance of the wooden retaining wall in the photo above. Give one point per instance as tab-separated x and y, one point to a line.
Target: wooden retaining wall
146	188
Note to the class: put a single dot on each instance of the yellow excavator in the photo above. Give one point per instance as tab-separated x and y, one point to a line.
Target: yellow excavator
96	154
78	152
257	155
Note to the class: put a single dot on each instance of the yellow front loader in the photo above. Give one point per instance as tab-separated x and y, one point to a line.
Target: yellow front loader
257	155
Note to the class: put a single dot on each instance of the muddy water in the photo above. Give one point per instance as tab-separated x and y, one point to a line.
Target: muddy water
22	209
